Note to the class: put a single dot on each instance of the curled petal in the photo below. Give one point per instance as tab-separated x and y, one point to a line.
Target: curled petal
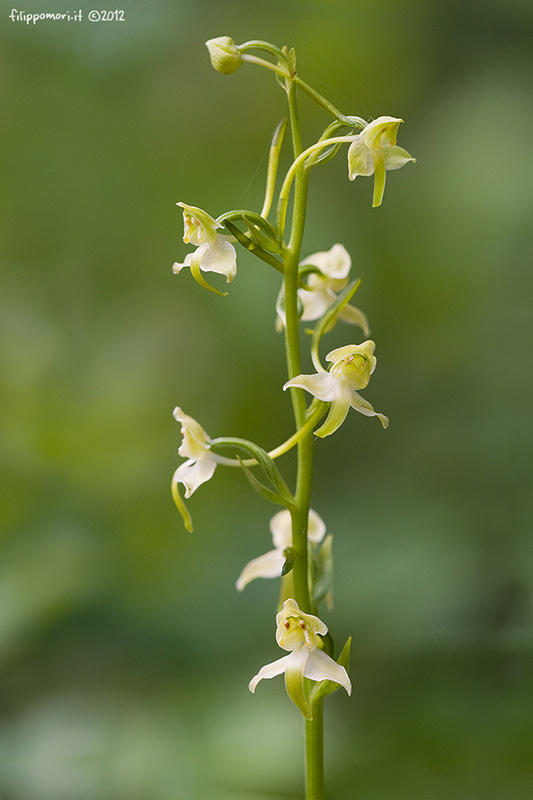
268	565
320	667
381	130
354	316
195	440
193	473
364	407
320	385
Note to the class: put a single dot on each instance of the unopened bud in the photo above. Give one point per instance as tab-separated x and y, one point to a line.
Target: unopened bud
224	54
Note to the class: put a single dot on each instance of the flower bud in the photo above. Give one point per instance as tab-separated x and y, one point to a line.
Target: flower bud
224	55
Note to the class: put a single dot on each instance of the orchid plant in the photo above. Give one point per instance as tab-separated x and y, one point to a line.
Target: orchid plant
315	289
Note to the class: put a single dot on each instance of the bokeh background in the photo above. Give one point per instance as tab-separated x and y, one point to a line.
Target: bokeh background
125	649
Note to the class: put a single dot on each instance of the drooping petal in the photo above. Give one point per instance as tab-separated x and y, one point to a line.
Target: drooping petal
193	473
364	407
359	159
334	263
336	416
268	565
380	175
395	157
269	671
320	385
320	667
294	679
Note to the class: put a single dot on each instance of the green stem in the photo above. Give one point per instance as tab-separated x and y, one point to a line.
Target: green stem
304	479
314	752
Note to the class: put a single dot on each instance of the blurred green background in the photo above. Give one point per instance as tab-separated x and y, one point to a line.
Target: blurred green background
125	649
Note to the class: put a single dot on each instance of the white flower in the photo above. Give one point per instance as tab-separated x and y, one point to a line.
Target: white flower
334	266
270	564
214	253
298	633
351	369
198	468
374	150
200	464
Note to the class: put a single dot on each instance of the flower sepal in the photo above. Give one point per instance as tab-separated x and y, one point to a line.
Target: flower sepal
321	690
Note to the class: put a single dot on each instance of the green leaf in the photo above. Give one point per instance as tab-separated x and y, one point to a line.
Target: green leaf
282	494
254	248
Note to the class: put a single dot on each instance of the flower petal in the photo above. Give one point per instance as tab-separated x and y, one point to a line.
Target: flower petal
200	227
294	679
354	316
193	473
320	667
336	416
269	671
320	385
268	565
315	303
364	407
281	529
379	176
359	159
395	157
317	527
380	130
195	440
219	257
334	263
